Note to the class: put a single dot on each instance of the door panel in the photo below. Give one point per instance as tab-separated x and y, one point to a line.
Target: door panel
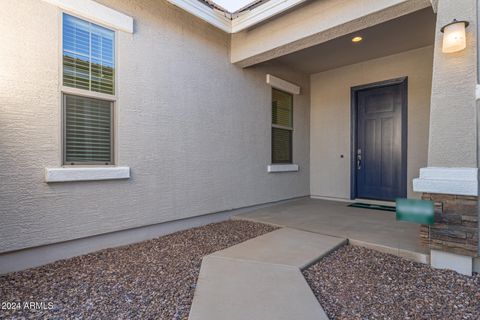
379	167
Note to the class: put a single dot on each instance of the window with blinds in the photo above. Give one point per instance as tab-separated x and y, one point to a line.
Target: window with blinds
282	126
87	130
88	56
88	65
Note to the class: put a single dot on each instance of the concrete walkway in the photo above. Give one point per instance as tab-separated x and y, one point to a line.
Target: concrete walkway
365	227
261	278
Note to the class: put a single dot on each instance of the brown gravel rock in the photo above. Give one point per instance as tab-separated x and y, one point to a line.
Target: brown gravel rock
154	279
358	283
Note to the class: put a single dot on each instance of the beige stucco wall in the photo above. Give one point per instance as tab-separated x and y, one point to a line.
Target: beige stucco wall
194	129
330	117
453	123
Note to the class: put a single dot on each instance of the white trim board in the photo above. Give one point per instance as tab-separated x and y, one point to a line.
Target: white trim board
282	168
434	4
282	84
205	13
92	10
457	181
230	22
262	12
86	174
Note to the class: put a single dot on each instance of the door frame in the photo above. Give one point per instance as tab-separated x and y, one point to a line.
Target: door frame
403	82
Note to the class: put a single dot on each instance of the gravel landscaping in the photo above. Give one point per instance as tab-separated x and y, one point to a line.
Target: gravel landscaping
150	280
358	283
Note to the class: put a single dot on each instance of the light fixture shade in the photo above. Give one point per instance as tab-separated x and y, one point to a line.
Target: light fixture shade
454	38
357	39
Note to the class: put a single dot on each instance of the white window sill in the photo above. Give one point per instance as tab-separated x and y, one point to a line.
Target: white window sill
282	168
460	181
86	174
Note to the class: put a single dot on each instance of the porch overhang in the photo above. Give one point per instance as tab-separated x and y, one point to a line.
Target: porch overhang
314	23
259	34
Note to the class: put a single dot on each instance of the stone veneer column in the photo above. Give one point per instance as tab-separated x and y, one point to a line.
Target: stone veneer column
451	179
456	224
454	236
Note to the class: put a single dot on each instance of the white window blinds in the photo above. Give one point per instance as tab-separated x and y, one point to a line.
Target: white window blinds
88	56
282	126
88	130
89	65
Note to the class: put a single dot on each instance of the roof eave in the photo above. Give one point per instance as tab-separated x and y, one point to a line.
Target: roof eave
237	21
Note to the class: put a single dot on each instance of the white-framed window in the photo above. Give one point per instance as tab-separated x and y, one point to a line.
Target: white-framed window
88	92
282	127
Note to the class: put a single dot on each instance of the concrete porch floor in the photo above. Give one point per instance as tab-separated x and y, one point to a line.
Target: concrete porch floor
369	228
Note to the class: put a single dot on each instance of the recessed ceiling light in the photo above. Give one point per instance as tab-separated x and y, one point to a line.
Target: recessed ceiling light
357	39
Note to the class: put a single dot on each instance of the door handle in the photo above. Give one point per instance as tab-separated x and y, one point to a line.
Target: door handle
359	159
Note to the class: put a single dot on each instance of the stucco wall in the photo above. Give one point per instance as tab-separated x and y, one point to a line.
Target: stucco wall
330	117
194	128
453	124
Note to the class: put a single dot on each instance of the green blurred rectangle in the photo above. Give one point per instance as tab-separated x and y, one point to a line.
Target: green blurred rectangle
416	211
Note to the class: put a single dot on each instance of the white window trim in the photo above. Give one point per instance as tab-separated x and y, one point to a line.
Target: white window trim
70	174
87	93
84	92
283	85
96	12
282	168
456	181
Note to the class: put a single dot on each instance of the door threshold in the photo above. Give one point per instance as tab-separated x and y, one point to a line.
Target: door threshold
377	202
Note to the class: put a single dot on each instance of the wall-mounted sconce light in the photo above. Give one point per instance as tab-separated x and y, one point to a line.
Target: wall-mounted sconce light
454	36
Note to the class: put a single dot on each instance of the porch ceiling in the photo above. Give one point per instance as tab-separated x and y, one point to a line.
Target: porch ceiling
408	32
